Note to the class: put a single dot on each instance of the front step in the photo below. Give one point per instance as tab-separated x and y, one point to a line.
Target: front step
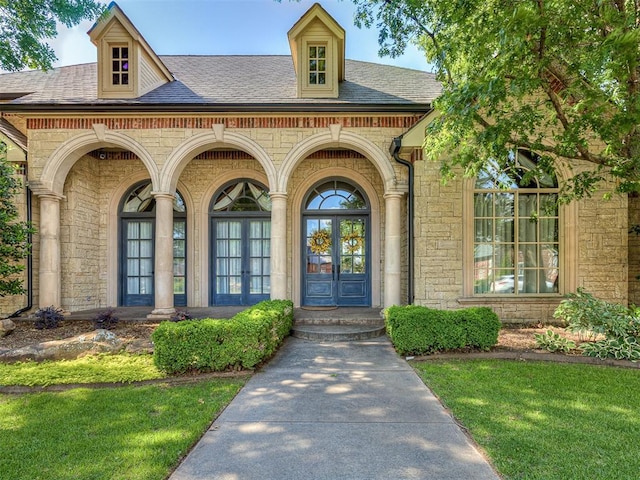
337	333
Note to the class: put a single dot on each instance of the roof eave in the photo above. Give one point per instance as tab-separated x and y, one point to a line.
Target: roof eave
422	108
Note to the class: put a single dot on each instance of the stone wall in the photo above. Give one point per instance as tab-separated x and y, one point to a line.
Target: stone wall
89	216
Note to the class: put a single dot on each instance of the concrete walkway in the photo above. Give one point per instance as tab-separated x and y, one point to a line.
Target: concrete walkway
334	411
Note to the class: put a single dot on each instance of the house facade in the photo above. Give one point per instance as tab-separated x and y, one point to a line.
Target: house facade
194	181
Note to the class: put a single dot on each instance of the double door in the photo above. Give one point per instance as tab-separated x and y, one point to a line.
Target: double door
241	260
335	261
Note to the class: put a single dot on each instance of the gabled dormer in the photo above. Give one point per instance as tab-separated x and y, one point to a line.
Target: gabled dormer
317	48
127	65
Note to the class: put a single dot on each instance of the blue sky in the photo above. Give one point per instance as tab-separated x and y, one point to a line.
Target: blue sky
225	27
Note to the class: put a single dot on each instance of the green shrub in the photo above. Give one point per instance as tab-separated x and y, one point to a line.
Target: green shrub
244	341
618	348
482	326
416	330
554	342
589	316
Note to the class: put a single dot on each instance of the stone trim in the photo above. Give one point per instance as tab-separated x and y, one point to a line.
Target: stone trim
224	155
140	123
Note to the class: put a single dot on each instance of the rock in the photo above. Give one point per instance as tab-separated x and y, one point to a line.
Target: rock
139	346
98	341
6	327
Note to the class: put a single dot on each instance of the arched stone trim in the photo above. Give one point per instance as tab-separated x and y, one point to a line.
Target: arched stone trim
202	142
66	155
375	214
204	252
349	140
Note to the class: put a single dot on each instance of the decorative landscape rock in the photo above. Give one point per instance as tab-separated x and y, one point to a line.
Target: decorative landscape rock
98	341
6	327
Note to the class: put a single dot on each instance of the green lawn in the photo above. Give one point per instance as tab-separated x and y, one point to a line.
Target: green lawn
137	433
543	420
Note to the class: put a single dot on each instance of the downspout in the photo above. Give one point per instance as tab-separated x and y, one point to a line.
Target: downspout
29	306
394	150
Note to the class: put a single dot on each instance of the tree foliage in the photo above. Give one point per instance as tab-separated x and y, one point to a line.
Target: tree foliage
27	24
558	77
14	234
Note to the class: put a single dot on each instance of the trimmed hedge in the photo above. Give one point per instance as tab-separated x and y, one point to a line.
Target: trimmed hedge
244	341
416	330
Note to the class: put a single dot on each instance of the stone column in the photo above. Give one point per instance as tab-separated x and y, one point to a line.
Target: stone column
163	275
50	275
278	245
392	248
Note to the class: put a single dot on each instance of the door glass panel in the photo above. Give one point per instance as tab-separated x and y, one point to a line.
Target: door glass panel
139	261
352	246
319	246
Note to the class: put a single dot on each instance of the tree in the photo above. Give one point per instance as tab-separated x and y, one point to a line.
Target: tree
27	24
14	234
557	77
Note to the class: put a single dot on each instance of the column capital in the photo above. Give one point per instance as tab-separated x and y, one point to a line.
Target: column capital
393	194
41	191
278	195
157	195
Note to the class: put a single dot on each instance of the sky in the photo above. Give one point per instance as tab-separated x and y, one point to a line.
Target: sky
228	27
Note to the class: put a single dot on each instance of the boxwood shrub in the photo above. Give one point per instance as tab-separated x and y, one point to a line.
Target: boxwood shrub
416	330
244	341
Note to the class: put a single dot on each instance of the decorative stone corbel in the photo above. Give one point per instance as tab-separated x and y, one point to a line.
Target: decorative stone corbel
218	131
100	129
335	129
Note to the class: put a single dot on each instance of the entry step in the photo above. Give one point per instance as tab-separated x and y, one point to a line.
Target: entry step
338	332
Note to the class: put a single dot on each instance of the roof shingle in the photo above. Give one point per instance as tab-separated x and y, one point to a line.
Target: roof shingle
228	80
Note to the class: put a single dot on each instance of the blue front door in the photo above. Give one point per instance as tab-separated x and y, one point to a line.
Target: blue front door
335	261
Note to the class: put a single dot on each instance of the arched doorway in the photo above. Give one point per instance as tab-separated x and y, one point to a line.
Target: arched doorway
240	215
335	245
137	241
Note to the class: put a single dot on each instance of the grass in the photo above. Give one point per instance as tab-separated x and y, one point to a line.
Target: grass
123	368
542	420
137	433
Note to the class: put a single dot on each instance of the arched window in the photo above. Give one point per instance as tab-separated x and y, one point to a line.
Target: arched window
137	218
240	215
516	229
336	195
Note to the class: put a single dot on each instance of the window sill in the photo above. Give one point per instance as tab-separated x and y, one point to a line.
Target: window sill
552	298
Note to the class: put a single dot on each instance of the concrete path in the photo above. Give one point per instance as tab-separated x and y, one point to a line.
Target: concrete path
334	411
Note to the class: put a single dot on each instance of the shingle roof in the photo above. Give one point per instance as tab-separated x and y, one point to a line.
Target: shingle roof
15	135
228	80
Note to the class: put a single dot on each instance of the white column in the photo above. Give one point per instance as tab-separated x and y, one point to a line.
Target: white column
164	257
392	248
50	276
278	245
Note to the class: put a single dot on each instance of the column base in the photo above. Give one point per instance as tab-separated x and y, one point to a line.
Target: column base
161	314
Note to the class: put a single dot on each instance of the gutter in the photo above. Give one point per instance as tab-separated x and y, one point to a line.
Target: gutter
215	108
394	150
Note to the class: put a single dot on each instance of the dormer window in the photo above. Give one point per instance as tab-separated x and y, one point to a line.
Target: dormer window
317	65
120	65
317	50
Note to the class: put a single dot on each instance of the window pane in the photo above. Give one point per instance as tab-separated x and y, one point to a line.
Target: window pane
321	78
312	52
321	52
520	255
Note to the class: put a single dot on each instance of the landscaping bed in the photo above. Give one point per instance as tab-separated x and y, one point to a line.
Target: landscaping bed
510	337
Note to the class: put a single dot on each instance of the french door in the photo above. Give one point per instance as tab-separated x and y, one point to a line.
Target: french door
138	261
335	261
241	260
